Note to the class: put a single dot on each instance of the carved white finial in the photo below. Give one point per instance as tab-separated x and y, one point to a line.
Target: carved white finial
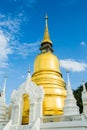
84	87
69	89
5	80
4	86
28	76
46	18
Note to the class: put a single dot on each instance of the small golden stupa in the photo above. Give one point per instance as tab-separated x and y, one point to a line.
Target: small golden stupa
47	74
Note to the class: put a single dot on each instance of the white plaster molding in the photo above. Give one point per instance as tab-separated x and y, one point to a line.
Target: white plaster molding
36	95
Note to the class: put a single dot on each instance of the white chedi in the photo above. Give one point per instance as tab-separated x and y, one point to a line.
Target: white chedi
3	111
70	106
84	98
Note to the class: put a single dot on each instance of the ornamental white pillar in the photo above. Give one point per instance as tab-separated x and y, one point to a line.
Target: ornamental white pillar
70	107
32	112
2	111
39	108
16	114
84	98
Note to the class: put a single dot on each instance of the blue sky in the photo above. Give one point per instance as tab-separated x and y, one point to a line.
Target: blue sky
21	31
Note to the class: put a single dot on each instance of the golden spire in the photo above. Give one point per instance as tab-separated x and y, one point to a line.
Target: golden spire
46	38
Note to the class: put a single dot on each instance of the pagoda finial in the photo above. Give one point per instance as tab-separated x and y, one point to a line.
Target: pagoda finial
84	88
28	76
4	86
5	79
46	38
46	19
68	82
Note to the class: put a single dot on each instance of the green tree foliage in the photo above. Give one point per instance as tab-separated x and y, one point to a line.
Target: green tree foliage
78	95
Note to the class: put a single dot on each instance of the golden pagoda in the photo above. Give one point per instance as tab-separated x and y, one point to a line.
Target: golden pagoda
47	74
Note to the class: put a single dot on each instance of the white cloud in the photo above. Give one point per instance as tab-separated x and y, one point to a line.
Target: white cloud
5	50
83	43
26	49
9	39
8	24
73	65
8	29
1	72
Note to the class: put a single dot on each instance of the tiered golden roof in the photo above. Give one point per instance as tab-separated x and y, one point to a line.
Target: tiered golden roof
47	73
